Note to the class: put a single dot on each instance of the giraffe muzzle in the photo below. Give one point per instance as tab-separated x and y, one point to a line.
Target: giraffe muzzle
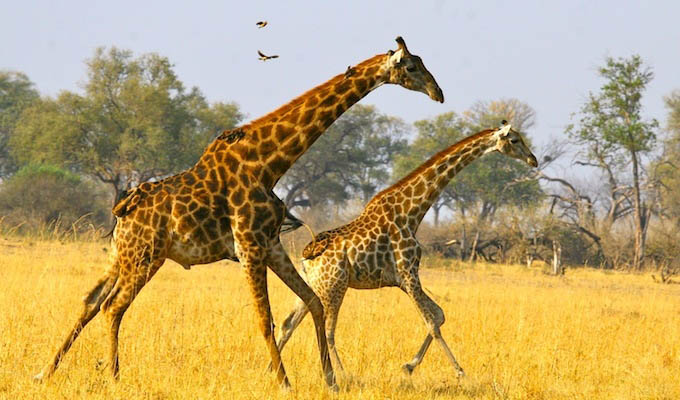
436	94
531	160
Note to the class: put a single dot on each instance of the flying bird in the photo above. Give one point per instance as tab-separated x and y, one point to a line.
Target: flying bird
261	24
264	57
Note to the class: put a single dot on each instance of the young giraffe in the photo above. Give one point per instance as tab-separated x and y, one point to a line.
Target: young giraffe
224	206
379	247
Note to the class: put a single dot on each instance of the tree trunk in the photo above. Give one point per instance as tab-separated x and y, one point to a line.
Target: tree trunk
463	245
557	258
117	193
436	215
640	230
473	249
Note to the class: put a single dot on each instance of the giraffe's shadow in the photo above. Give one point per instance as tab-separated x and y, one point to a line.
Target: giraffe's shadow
412	385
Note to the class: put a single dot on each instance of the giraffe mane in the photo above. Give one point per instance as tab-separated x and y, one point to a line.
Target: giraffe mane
427	164
301	98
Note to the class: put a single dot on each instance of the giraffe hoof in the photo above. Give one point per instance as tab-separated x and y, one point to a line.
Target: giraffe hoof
461	373
39	378
408	368
285	387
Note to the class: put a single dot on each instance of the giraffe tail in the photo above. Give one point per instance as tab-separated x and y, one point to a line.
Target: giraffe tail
438	298
311	232
291	223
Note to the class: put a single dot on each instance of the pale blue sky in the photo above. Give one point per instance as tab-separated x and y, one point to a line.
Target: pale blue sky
541	52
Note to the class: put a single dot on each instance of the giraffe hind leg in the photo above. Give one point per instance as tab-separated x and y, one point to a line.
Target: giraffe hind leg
418	358
92	303
119	299
284	269
290	324
331	299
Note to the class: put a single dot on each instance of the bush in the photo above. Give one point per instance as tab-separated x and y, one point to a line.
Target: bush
41	195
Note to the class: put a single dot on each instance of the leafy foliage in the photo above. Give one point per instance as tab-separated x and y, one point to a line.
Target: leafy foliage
16	93
611	122
667	170
616	136
351	158
488	183
134	122
44	194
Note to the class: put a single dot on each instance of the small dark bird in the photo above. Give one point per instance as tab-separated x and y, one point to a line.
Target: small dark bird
349	72
264	57
261	24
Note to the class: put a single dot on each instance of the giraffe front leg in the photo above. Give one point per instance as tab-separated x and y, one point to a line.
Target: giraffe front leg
291	323
284	268
407	261
252	259
434	319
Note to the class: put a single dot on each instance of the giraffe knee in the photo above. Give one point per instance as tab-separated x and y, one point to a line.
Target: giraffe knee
268	332
314	305
330	338
105	307
287	324
439	318
96	295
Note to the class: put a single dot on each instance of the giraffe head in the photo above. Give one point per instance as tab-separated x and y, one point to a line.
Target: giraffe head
407	70
510	143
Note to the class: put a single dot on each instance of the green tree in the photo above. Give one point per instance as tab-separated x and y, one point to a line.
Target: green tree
135	121
434	135
667	170
351	158
39	195
495	181
616	137
16	93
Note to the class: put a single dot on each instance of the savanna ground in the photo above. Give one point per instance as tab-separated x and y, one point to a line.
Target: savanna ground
519	334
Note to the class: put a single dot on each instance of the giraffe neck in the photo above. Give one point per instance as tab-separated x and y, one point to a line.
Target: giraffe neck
270	145
413	196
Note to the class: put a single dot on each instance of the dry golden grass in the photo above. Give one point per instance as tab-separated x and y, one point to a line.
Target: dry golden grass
518	333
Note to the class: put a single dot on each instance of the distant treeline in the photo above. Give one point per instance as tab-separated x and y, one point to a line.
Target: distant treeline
65	157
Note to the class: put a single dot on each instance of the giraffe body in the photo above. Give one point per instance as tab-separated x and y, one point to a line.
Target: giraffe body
379	248
224	207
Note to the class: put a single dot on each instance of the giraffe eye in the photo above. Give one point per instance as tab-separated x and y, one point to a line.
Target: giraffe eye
514	140
411	68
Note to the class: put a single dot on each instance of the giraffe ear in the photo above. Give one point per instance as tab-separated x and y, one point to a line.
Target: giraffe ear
395	57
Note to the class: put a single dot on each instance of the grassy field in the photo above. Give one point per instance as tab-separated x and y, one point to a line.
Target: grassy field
519	334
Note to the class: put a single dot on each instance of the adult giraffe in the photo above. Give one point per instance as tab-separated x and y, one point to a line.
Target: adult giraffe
224	206
379	247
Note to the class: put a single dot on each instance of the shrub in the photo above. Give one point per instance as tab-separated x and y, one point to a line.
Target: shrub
41	195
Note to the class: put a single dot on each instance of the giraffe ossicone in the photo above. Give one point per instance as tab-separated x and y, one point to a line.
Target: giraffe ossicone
224	207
